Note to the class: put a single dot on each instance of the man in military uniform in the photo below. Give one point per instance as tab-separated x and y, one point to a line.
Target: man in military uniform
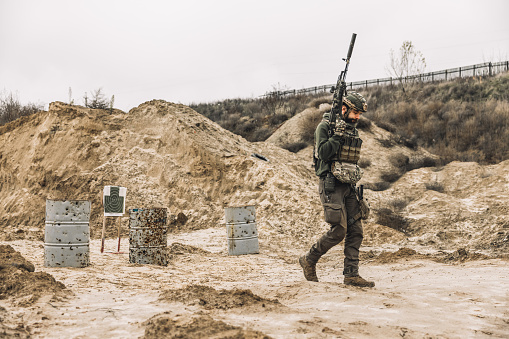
336	156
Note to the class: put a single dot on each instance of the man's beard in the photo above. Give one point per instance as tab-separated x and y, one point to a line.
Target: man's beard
352	122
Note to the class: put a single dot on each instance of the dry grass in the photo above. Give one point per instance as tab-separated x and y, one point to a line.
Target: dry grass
464	119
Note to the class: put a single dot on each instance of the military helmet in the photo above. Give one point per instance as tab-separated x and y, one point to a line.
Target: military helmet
355	101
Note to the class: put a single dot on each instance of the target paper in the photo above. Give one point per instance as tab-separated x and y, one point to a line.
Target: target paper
114	201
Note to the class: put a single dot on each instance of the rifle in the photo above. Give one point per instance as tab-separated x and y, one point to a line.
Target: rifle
340	90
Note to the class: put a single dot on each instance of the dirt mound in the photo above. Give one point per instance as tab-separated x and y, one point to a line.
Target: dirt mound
458	205
210	298
199	326
18	279
402	253
298	127
459	256
178	248
9	257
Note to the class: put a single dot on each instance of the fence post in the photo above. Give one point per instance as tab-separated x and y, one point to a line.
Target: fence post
489	68
473	72
445	75
460	72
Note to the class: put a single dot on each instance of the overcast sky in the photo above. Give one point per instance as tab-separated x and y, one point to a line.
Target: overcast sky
207	50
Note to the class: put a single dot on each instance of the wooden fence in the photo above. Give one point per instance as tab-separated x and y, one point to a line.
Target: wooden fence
484	69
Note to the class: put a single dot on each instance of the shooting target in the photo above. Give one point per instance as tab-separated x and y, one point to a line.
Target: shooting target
114	201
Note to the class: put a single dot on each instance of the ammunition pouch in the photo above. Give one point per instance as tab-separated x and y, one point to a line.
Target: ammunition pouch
350	149
346	172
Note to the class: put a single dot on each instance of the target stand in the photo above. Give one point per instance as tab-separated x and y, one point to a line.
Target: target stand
114	206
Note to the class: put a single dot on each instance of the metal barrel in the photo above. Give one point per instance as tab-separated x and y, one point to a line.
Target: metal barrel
147	236
67	233
241	230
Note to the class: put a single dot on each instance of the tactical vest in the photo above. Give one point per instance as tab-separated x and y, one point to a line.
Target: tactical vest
350	149
344	165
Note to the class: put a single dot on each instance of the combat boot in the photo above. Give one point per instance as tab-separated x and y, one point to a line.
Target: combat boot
309	269
353	278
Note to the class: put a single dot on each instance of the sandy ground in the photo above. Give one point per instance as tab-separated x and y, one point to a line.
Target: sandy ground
414	297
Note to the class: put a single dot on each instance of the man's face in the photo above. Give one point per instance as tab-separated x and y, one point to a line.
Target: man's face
353	115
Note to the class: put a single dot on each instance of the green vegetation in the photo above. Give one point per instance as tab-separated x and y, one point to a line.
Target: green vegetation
98	100
465	119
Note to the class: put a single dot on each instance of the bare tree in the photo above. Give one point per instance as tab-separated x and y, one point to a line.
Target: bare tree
274	100
11	108
409	61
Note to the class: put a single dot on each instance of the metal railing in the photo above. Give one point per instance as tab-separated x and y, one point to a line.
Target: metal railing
484	69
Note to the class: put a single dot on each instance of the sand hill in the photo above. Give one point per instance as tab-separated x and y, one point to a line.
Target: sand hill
166	155
422	246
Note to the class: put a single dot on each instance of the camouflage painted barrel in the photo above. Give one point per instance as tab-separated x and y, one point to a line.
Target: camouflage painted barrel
147	236
67	233
241	230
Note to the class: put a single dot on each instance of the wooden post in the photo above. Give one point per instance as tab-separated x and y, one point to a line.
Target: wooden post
104	229
119	223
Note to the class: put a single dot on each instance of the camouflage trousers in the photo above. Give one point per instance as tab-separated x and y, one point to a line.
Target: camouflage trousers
338	206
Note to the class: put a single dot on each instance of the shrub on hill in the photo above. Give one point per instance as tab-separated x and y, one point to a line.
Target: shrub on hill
12	109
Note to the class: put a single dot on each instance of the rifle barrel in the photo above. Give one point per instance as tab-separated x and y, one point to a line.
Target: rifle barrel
350	49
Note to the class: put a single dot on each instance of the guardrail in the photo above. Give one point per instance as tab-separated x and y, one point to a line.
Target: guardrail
484	69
